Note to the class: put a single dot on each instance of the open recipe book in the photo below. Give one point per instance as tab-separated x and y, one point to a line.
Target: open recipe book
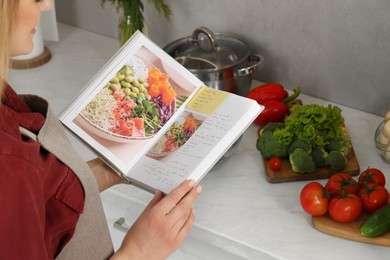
153	121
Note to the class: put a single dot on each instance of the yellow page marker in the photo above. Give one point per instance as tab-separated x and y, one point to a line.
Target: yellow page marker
206	100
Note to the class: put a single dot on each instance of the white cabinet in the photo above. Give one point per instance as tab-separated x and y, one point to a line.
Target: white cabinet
122	211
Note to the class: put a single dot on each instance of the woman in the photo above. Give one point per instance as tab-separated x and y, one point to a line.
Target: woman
49	199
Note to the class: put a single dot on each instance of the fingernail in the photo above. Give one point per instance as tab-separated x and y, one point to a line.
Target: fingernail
191	183
199	189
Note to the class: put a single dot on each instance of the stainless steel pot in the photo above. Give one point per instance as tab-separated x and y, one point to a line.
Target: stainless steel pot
220	61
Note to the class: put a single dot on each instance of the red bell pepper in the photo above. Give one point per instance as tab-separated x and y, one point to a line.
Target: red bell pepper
274	98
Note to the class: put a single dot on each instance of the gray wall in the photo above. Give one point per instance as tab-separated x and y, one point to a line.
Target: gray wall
335	50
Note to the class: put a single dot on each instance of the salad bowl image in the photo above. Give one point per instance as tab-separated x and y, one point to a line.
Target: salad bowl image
133	105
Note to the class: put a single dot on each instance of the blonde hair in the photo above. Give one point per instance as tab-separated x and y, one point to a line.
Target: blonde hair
8	11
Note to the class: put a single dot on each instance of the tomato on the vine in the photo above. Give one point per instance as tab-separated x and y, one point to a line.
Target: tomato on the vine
372	175
313	199
345	208
340	183
373	197
275	163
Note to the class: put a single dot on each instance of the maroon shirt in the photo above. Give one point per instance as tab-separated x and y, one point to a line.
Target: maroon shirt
40	197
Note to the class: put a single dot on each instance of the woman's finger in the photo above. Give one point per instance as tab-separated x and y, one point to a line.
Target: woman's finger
186	227
175	196
158	196
179	214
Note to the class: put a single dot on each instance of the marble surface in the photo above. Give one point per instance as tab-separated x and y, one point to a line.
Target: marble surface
239	214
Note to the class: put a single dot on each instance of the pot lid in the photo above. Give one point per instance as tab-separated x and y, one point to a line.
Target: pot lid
205	50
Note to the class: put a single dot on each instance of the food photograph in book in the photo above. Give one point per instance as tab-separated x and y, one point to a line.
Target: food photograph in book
134	104
177	135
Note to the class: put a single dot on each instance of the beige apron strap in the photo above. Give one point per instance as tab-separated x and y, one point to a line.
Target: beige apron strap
27	133
91	239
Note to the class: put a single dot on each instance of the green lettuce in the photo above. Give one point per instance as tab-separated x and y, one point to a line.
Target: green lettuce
315	124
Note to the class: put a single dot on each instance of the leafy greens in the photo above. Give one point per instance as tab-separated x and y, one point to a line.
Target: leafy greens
314	124
147	110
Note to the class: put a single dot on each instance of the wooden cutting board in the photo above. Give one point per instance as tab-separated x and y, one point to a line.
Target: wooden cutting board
285	174
348	230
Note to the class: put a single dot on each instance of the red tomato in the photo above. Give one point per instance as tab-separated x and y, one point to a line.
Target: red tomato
373	197
275	163
341	183
372	175
345	208
313	199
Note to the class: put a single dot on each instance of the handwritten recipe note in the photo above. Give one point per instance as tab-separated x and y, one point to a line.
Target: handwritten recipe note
220	113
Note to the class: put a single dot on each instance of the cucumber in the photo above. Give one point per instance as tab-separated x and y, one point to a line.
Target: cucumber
378	223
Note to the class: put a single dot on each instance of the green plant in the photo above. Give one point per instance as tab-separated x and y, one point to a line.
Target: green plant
131	15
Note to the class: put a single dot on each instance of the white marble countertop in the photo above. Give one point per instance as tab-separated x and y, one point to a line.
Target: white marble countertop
238	211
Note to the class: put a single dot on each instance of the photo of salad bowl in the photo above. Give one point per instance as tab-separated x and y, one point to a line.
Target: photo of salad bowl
177	135
136	102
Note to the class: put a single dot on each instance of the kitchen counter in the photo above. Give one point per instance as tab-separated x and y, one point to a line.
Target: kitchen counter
239	214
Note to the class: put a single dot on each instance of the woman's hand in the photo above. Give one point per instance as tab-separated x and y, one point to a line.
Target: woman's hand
163	225
104	175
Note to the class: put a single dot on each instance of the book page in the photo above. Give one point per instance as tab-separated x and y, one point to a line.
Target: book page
217	115
153	121
122	110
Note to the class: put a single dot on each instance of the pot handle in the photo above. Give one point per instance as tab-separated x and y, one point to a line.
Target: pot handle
210	35
257	63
